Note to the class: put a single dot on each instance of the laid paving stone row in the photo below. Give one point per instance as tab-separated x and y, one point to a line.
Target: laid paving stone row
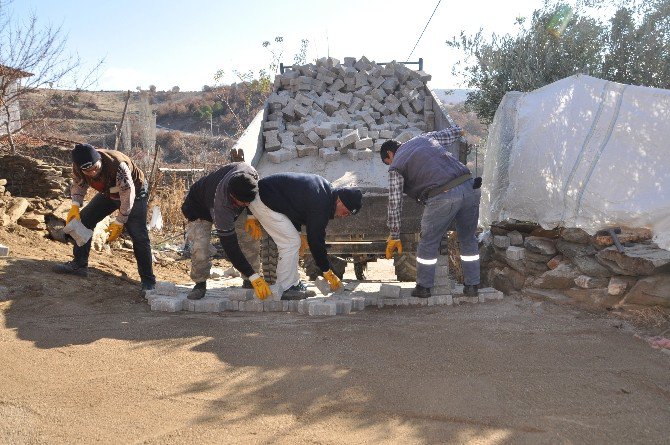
354	297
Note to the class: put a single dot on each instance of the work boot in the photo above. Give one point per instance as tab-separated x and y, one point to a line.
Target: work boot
198	291
421	292
297	292
470	290
71	268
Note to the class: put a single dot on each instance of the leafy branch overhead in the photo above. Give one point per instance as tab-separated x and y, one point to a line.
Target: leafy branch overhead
630	45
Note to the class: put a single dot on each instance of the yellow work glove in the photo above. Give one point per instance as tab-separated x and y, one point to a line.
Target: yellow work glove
253	228
260	286
303	245
114	231
73	214
391	246
333	280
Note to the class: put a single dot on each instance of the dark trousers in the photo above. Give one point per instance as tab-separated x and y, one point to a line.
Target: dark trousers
136	226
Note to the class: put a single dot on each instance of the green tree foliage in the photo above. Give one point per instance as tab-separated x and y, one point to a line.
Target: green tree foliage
633	46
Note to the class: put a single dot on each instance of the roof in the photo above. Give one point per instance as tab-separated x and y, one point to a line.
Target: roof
13	72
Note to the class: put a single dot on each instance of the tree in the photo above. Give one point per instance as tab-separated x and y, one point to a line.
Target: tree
632	47
39	50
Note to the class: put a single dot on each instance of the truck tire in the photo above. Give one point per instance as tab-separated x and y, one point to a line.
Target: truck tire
269	257
405	267
312	271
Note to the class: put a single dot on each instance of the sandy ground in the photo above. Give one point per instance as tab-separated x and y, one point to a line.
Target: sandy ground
87	361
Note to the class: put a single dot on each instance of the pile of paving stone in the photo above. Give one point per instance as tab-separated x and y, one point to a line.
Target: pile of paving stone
519	256
330	109
223	296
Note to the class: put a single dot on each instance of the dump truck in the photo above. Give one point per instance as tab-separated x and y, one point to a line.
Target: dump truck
331	118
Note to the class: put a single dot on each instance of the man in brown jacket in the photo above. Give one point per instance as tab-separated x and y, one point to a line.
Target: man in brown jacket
121	186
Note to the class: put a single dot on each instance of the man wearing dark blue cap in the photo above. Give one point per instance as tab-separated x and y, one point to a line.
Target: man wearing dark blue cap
121	186
285	203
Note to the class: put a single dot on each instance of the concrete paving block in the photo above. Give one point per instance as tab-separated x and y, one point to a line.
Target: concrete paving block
364	143
275	157
292	305
364	155
238	294
4	250
389	291
343	306
166	288
208	305
167	304
325	308
323	286
515	253
371	300
352	154
441	290
251	306
329	154
275	306
357	303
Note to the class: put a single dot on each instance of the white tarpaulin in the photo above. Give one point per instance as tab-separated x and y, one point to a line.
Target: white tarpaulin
581	152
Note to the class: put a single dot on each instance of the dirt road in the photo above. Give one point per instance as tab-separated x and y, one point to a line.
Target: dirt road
86	361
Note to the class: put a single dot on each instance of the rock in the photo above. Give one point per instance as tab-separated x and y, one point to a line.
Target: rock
587	282
515	238
651	291
554	262
617	286
611	265
32	221
540	245
574	235
588	265
563	277
571	250
638	259
626	236
535	268
16	210
546	233
537	257
507	280
595	298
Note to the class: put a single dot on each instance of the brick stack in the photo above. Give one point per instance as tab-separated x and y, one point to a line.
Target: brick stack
330	109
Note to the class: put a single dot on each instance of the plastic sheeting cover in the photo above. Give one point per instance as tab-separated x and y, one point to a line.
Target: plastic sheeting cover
581	152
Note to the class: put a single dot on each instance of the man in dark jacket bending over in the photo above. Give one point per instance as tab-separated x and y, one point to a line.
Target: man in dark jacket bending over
220	198
287	201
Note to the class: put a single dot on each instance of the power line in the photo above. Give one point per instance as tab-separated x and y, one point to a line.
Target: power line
424	29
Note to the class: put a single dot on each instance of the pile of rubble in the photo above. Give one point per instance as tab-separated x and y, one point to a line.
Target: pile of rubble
593	269
331	109
222	296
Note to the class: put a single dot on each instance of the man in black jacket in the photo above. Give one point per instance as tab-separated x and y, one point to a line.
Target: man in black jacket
220	198
288	201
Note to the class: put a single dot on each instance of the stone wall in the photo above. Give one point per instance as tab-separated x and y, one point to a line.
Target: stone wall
28	177
524	257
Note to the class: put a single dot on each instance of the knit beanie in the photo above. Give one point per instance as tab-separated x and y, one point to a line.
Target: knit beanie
243	186
352	198
84	156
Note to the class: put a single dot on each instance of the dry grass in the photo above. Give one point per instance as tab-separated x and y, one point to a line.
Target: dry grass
169	194
650	317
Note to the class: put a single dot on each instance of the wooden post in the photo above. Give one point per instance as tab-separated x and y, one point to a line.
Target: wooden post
151	174
120	128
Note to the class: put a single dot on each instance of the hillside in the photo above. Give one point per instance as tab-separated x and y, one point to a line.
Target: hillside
184	130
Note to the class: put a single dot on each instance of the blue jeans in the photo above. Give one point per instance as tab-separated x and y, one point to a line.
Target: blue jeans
100	207
459	205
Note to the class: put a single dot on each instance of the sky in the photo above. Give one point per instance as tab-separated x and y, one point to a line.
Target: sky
184	43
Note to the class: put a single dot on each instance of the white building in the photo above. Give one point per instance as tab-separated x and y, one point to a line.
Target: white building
9	83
